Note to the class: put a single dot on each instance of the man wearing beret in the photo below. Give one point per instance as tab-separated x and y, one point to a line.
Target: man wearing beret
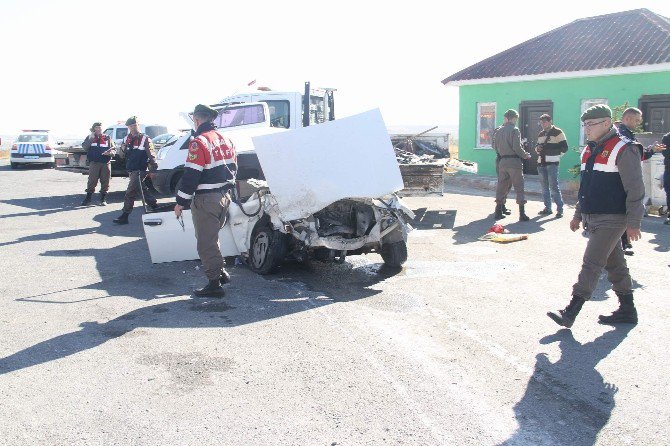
207	182
139	154
610	202
507	144
99	152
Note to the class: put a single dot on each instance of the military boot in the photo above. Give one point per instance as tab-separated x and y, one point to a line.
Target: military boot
505	210
625	314
567	316
225	277
122	220
103	199
87	200
212	289
522	213
499	212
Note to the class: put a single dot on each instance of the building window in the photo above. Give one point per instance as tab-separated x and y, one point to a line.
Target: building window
486	123
588	103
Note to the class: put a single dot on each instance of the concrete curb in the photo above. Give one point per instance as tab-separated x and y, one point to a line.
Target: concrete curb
531	184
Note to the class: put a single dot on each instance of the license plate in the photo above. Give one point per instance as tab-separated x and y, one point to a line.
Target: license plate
31	157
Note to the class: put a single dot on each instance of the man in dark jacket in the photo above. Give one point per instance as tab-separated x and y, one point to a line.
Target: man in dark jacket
551	145
139	154
664	148
209	177
99	152
610	202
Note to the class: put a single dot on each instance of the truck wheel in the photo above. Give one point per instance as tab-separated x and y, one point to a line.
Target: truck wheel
268	248
394	254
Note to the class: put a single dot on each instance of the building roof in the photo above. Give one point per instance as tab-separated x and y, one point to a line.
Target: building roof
612	41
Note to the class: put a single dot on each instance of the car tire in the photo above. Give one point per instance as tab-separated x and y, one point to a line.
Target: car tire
394	254
14	165
268	248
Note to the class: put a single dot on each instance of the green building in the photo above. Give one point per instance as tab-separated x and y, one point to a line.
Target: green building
612	59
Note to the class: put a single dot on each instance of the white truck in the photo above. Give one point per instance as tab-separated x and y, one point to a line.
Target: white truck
241	117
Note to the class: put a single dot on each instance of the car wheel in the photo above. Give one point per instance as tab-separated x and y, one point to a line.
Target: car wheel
394	254
268	248
14	165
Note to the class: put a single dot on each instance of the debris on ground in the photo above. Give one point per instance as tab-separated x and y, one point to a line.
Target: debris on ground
498	234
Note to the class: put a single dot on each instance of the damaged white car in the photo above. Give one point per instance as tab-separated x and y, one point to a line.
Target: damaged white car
329	193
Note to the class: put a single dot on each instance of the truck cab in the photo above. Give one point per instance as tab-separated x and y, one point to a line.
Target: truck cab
242	116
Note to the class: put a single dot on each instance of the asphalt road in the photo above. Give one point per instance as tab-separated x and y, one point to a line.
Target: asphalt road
99	346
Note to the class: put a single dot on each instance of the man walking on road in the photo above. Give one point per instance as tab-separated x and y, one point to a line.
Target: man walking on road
139	155
551	146
507	144
209	177
99	152
611	194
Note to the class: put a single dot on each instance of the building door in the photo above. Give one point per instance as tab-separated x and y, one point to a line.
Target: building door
529	125
659	118
656	112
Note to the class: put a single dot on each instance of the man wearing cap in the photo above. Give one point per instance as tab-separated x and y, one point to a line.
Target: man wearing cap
551	145
507	144
630	120
139	154
610	202
99	152
207	182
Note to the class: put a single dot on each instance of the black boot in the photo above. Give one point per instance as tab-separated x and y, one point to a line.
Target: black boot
625	314
522	213
499	212
567	316
225	277
87	200
212	289
152	204
505	210
103	199
122	220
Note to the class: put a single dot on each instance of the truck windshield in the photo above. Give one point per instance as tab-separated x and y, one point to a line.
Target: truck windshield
233	117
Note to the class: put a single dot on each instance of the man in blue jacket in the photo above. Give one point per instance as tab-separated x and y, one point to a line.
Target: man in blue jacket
99	152
139	154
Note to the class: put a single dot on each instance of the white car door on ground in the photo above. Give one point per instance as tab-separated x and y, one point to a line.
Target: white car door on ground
169	242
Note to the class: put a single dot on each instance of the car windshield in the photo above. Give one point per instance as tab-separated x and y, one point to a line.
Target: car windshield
233	117
154	130
162	139
33	138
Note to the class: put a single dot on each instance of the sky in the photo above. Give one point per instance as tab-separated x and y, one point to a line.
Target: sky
68	63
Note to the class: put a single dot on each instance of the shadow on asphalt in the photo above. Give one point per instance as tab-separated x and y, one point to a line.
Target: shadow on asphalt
567	401
472	231
50	205
125	270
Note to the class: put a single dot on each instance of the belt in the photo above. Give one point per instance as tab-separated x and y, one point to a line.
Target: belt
225	188
510	156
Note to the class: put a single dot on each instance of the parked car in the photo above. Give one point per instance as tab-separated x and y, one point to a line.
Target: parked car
160	140
314	204
33	147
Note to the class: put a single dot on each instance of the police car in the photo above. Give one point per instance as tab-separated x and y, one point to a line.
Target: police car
33	147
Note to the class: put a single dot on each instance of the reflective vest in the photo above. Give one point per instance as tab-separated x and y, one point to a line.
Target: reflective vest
136	154
601	190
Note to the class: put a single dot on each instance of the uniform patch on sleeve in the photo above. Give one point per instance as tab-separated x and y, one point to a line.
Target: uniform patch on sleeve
192	157
194	147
